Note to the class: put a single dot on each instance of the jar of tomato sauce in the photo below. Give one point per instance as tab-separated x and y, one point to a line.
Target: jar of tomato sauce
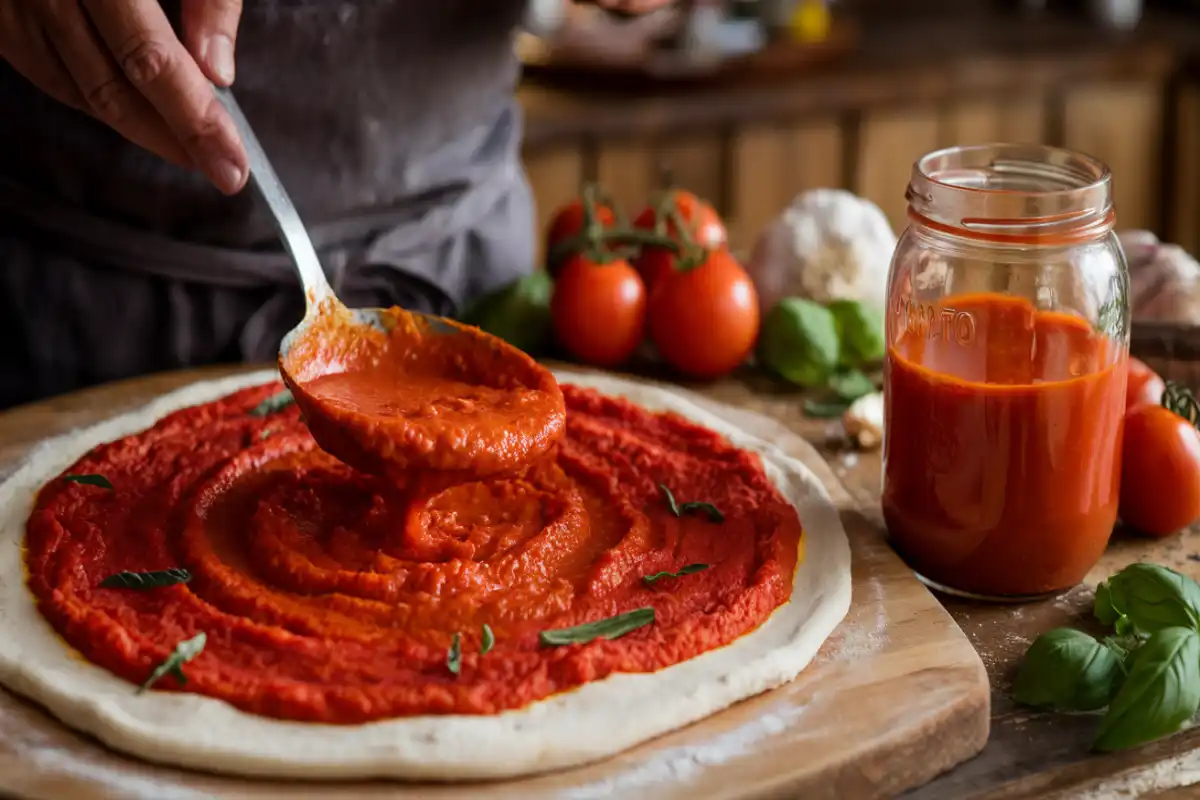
1007	343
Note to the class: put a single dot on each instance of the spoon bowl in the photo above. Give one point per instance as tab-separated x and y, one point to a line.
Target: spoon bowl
388	390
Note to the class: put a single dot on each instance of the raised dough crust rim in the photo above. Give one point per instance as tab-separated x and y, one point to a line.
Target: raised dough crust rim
590	723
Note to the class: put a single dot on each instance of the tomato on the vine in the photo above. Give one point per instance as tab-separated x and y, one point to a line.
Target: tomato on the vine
703	320
1145	387
598	310
703	224
1160	469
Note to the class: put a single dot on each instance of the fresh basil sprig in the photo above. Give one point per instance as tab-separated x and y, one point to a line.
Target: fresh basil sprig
690	569
273	404
454	655
488	640
184	652
90	480
609	628
147	580
691	507
1147	671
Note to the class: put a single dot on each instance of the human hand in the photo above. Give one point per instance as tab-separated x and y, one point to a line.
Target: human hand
120	62
632	7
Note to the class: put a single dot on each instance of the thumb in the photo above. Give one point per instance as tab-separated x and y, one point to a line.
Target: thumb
209	32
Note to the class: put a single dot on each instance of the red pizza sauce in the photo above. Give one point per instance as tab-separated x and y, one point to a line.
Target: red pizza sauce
332	595
425	394
1003	453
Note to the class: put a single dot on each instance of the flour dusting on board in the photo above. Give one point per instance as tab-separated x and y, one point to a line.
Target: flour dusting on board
678	765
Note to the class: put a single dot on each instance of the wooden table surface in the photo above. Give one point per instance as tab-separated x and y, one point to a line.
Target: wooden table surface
1029	755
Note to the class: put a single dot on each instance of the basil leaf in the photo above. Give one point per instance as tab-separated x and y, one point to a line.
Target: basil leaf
488	642
1153	598
798	340
819	410
518	313
1161	692
273	404
610	628
89	480
860	331
690	569
147	580
1103	608
454	655
1067	670
851	385
184	652
691	507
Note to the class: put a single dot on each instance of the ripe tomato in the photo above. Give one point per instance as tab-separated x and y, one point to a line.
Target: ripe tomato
1144	386
704	321
598	310
1160	471
567	223
704	226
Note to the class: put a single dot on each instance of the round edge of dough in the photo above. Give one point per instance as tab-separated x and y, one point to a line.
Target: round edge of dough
593	722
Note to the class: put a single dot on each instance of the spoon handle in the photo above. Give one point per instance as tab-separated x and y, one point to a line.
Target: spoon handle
287	221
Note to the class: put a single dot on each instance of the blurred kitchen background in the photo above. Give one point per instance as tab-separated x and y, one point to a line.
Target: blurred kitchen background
750	102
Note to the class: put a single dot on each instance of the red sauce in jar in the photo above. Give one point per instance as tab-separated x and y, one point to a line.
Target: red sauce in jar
1003	448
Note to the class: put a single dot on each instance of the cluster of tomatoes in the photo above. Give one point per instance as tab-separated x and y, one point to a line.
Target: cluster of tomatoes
668	276
1160	461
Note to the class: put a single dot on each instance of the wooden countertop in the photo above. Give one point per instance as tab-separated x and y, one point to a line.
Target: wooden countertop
1029	755
897	61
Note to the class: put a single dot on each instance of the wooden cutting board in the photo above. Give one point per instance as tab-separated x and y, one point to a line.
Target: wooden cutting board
896	696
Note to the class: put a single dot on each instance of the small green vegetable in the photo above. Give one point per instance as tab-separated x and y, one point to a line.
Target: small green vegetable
184	652
850	385
690	569
822	410
488	641
1067	670
1103	608
147	580
610	628
90	480
1151	597
273	404
454	655
518	313
799	341
1161	692
709	510
860	332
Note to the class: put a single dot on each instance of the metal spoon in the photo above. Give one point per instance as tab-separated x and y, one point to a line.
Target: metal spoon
331	329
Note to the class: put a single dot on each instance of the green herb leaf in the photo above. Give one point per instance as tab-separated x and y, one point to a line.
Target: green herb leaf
690	569
850	385
860	332
799	342
184	652
709	510
1161	692
518	313
89	480
266	433
147	580
1103	608
273	404
1067	670
488	642
610	628
1152	598
822	410
454	655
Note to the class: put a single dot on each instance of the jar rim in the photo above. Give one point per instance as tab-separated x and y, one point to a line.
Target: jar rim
1023	194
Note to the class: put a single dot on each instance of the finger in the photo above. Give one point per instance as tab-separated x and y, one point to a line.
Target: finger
156	63
103	90
210	34
31	55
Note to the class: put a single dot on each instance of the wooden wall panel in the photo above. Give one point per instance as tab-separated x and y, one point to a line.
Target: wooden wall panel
696	163
554	176
1121	124
983	121
628	172
889	142
771	164
1184	222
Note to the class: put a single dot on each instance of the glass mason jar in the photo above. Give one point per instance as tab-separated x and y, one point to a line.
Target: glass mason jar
1007	333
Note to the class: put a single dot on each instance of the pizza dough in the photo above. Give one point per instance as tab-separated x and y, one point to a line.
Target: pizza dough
596	721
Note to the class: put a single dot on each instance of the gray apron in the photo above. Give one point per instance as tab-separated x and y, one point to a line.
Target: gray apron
391	122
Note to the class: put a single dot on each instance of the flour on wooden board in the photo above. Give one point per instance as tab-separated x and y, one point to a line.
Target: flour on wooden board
572	728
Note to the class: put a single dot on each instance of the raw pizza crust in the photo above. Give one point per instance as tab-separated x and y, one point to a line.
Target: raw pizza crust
592	722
